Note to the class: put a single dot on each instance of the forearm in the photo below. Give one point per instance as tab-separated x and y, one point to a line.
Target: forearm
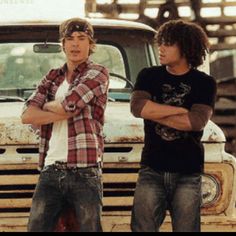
36	116
142	107
179	122
195	120
55	107
153	111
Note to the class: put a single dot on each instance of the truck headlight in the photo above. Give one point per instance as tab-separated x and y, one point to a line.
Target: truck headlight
210	190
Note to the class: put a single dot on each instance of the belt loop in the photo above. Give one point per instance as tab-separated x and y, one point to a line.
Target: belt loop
100	165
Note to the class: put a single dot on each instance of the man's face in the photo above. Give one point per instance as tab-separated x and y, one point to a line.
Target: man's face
169	54
76	47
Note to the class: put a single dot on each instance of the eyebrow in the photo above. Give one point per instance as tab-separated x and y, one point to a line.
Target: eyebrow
77	36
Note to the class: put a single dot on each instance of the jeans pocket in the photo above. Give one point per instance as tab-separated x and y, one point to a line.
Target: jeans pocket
191	181
45	169
94	183
48	174
87	174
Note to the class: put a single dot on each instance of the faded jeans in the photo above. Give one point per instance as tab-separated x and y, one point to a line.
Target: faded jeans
158	191
80	188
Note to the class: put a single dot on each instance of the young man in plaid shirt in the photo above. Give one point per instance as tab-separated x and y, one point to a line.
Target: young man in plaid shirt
69	105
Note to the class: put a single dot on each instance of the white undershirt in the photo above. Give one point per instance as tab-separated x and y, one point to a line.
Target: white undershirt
58	143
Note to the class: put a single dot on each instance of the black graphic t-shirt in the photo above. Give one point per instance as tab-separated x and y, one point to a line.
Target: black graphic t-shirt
165	148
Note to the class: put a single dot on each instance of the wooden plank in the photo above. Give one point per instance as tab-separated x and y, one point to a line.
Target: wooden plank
224	92
225	105
120	190
18	179
229	132
34	166
15	203
18	166
17	191
18	224
222	46
226	84
231	147
33	179
227	120
117	201
221	32
13	215
120	178
220	20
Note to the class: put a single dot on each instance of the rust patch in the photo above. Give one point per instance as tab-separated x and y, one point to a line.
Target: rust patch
125	140
213	137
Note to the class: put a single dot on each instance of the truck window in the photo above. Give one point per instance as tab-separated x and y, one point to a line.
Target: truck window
21	68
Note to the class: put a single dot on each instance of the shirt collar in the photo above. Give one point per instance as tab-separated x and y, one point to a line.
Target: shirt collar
78	69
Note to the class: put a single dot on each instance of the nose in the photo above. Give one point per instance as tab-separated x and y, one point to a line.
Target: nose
75	42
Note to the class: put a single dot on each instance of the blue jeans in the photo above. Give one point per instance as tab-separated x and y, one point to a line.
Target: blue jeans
80	188
158	191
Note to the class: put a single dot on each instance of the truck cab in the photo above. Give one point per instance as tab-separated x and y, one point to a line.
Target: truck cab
28	50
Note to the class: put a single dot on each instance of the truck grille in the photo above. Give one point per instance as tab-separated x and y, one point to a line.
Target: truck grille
18	183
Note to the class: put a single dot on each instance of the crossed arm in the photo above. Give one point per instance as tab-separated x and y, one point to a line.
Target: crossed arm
51	112
72	104
175	117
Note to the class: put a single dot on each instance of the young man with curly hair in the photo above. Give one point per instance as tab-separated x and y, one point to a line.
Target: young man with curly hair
176	100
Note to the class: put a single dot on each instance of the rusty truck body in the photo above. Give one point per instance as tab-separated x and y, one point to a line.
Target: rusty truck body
27	51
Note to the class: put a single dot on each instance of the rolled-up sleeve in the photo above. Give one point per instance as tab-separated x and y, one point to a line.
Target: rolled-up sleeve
199	115
138	101
94	84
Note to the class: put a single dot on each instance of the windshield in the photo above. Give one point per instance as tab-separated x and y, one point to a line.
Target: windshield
21	68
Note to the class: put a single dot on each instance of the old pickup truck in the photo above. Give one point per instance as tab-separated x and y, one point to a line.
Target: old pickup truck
27	51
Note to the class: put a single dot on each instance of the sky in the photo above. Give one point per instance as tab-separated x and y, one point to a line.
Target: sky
14	10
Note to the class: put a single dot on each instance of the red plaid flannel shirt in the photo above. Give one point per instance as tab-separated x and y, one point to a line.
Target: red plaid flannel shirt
87	98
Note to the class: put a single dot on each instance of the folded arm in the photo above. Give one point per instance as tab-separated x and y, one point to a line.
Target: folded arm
143	107
37	116
56	107
175	117
195	120
84	93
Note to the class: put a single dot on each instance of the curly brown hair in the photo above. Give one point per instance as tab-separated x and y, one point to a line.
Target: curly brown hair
190	38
